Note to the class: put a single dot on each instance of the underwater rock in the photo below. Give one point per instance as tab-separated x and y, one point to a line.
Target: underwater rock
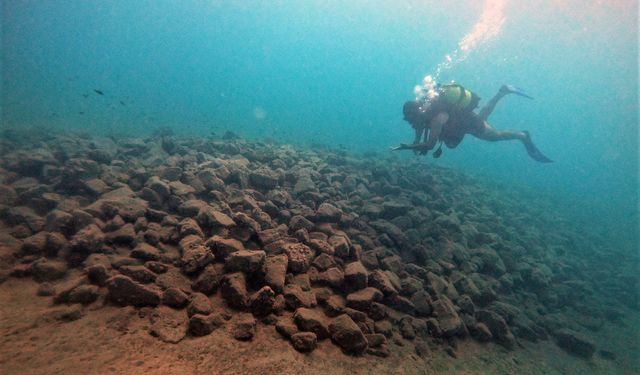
312	321
221	247
323	262
384	327
262	301
346	334
202	325
244	328
168	325
362	299
335	305
83	294
498	327
88	239
194	255
48	270
299	256
448	319
340	246
234	290
208	217
140	274
59	221
207	281
575	343
199	304
286	328
321	246
275	271
304	342
122	236
247	261
328	213
188	226
145	252
298	222
98	274
422	303
264	178
355	276
381	281
125	291
295	297
333	277
174	297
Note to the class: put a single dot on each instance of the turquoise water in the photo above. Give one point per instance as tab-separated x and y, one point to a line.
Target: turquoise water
338	73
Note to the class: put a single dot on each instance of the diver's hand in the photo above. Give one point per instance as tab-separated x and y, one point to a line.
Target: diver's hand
420	149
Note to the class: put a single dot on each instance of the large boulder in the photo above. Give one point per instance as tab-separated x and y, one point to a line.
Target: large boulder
221	247
247	261
88	239
125	291
355	276
208	217
304	341
199	304
448	319
346	334
312	321
262	301
362	299
201	325
234	290
207	281
195	256
498	327
380	280
48	270
575	343
264	178
244	328
168	325
328	213
299	256
140	274
145	251
295	297
275	271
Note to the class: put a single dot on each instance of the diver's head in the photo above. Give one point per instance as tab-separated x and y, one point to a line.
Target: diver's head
413	112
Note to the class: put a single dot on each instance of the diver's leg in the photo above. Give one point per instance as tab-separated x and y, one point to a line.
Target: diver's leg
492	135
485	112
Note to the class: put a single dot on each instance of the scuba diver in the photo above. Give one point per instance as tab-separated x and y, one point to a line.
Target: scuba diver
446	113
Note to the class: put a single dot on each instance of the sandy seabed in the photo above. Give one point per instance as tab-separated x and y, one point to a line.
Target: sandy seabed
222	256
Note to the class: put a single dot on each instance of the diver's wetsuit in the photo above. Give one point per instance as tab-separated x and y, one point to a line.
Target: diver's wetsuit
461	121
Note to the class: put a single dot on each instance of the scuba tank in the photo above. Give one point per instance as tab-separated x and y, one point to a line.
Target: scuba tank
459	97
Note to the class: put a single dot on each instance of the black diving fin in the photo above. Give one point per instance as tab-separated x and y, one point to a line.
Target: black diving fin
533	151
510	89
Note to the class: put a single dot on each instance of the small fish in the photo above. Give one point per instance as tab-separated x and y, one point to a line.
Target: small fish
81	113
98	92
85	95
122	103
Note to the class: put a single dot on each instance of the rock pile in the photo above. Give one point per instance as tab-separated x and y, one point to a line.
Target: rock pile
318	244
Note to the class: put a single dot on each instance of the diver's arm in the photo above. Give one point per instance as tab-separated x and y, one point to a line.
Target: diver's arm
419	131
435	129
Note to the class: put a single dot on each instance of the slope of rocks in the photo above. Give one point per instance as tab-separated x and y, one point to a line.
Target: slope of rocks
362	251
